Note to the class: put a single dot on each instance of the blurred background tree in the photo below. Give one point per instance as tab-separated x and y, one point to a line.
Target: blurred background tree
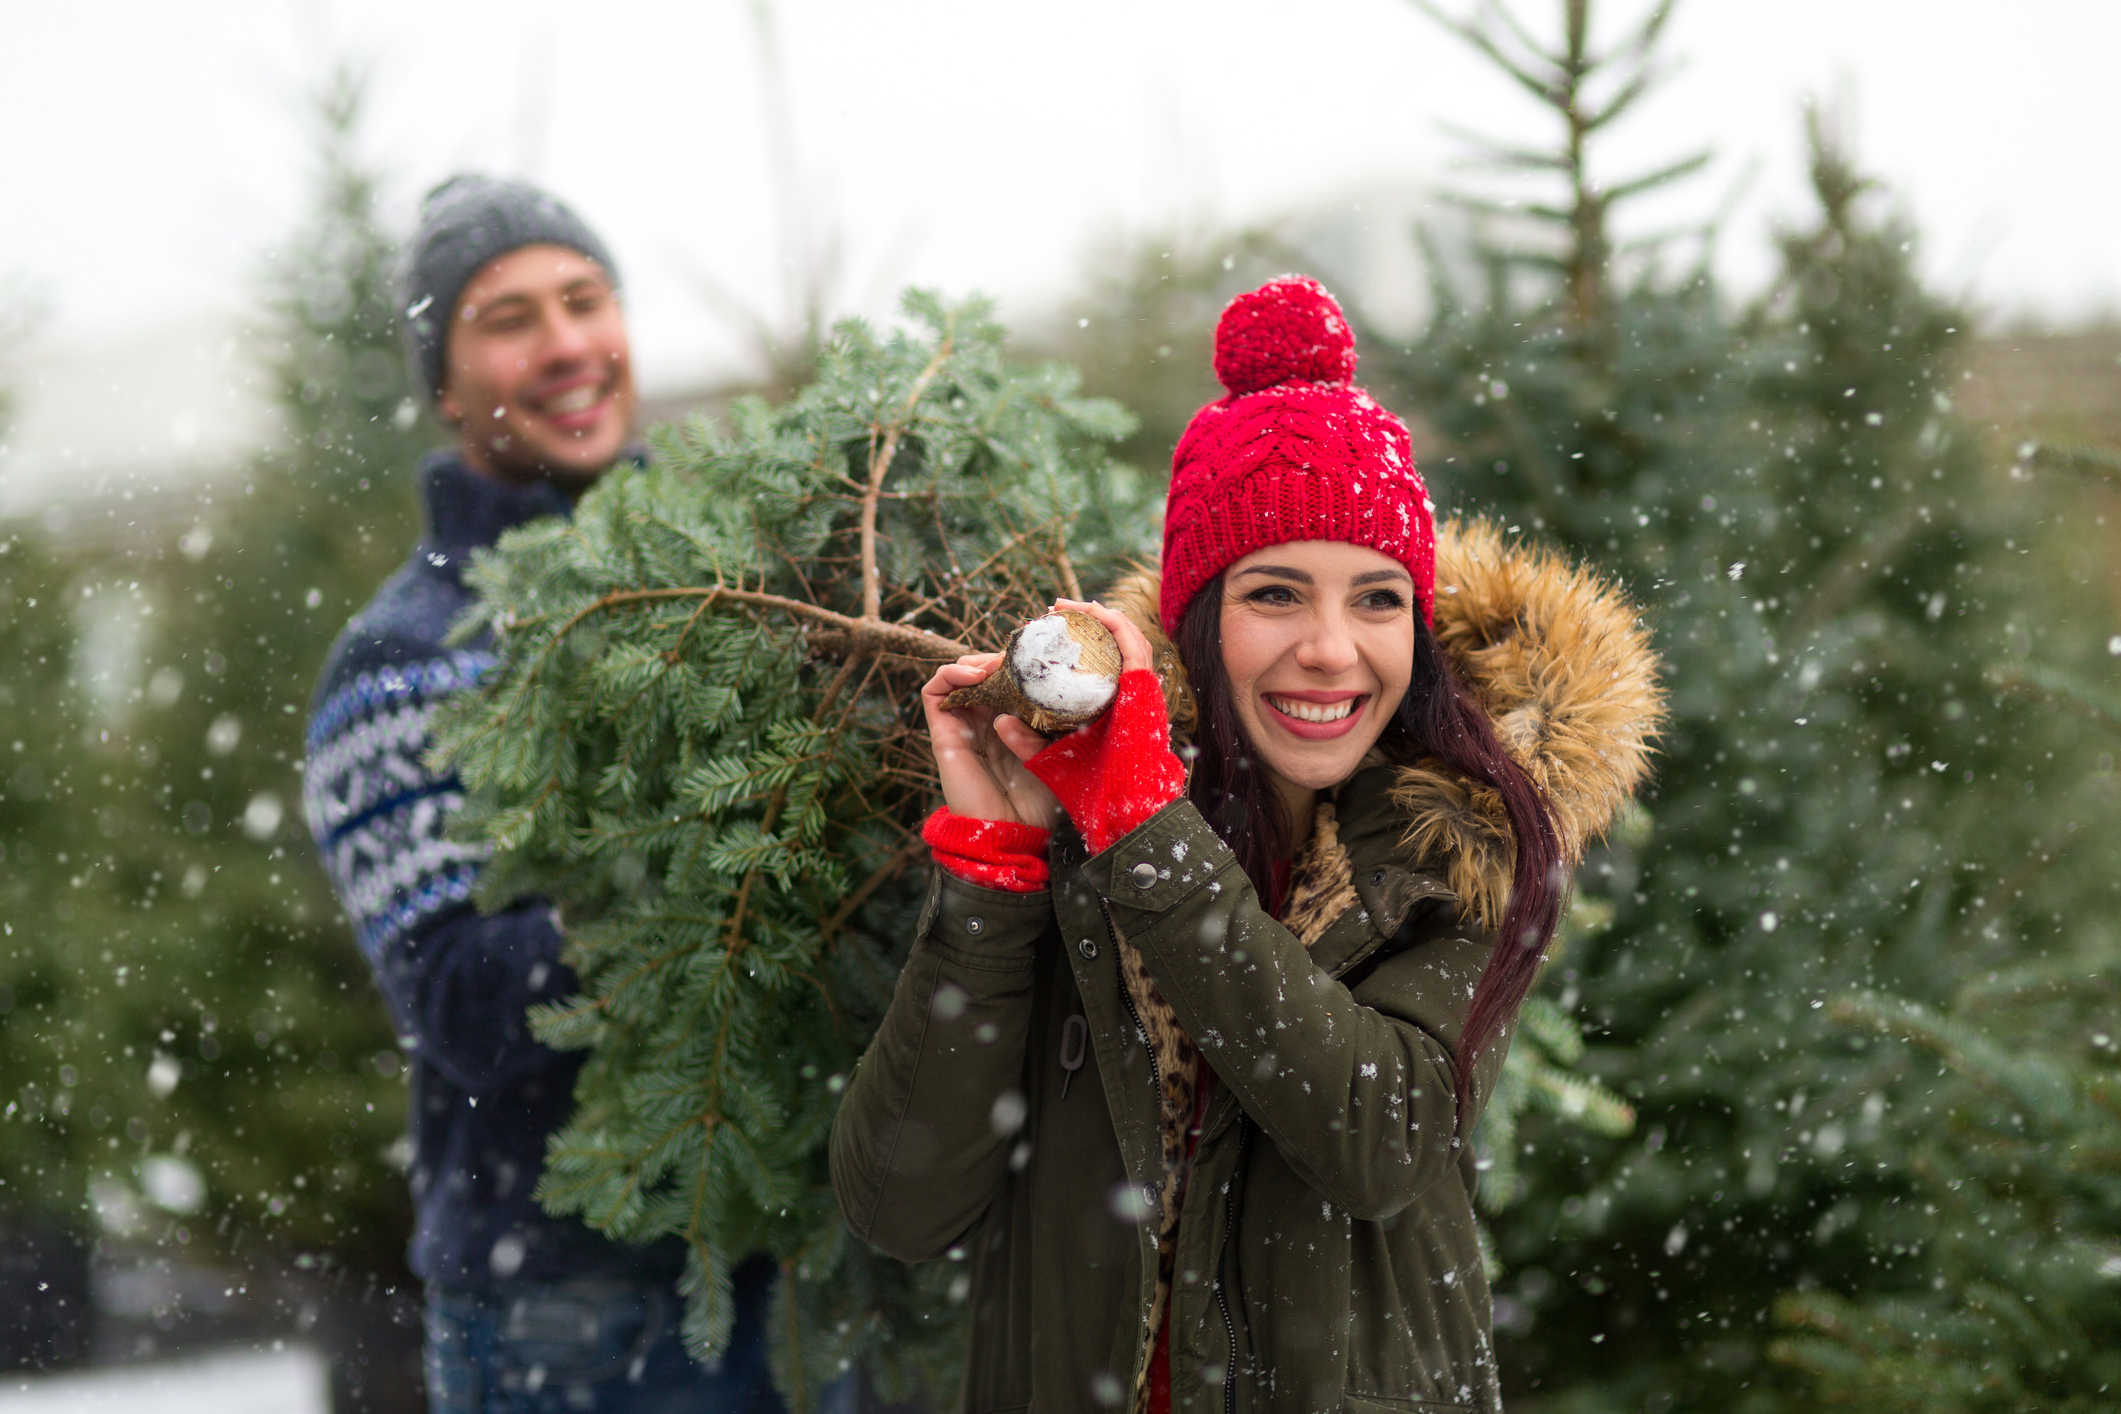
200	1065
1843	802
2022	1176
2023	1180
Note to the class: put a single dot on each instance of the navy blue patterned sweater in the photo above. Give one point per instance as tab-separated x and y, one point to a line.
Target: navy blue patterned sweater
485	1095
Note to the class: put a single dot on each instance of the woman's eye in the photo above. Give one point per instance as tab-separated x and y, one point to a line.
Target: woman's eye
1272	594
1385	600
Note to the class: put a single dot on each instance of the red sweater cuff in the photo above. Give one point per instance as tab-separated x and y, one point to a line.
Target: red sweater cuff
997	854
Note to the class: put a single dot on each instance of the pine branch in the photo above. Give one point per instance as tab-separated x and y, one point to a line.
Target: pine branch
1670	172
1862	561
867	635
1469	31
2099	463
891	868
2088	699
880	464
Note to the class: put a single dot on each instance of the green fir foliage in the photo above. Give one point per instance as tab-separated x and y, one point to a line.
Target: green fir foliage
702	741
1845	801
2022	1181
2023	1184
1539	1072
195	1053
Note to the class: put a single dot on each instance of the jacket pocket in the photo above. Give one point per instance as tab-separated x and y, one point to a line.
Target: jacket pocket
1392	1404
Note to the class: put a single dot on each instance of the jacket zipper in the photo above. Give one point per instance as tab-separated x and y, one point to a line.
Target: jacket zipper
1141	1032
1222	1262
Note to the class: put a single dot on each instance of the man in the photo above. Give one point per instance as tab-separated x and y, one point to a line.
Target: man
515	330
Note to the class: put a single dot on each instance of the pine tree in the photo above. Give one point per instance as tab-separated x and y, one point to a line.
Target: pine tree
195	1043
2023	1178
37	637
1844	802
2024	1185
702	741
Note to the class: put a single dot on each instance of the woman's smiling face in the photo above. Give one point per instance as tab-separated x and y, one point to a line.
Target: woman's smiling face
1318	645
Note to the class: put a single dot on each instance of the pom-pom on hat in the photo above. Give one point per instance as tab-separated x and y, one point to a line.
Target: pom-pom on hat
1295	452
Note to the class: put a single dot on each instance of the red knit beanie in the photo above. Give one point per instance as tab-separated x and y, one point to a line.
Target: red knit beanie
1295	452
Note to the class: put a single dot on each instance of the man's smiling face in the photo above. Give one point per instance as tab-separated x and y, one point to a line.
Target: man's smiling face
538	380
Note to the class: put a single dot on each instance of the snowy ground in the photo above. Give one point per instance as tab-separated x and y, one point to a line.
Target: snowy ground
294	1380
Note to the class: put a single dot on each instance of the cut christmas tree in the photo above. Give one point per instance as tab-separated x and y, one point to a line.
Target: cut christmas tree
701	741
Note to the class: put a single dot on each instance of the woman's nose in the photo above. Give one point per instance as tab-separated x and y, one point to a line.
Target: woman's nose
1327	647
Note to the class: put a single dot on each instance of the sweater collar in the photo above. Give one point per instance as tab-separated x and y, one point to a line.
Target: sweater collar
467	511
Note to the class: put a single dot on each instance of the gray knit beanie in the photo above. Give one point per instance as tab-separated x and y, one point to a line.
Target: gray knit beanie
465	222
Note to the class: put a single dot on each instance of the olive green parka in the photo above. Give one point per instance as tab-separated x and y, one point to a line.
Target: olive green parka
1024	1108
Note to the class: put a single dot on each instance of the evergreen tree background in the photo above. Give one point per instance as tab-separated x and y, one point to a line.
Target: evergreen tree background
2023	1177
1844	801
197	1060
2023	1184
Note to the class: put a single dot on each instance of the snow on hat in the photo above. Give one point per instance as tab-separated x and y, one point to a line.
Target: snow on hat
1295	452
465	222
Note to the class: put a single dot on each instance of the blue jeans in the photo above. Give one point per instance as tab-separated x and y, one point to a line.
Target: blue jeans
598	1347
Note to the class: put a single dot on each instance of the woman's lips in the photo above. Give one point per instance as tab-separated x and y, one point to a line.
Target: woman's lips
1303	715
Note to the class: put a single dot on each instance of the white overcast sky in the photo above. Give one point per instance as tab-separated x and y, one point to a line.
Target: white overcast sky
151	155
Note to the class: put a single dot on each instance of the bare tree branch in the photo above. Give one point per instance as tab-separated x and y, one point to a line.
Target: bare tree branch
880	463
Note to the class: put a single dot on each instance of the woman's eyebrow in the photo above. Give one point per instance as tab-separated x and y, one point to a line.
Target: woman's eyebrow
1279	572
1375	575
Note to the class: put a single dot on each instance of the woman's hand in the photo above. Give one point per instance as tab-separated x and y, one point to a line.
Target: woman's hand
980	755
1117	771
1133	647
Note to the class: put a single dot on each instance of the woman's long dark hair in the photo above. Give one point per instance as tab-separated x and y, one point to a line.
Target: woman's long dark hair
1438	720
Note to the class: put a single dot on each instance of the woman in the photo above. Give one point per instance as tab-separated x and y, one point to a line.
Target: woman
1182	1063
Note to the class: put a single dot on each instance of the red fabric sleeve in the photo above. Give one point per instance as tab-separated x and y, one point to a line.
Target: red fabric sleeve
1118	771
999	854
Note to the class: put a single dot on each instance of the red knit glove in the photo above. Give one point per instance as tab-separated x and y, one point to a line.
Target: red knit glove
1000	854
1118	771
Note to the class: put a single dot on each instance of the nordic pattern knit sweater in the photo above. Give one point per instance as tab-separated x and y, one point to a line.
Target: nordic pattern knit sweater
485	1094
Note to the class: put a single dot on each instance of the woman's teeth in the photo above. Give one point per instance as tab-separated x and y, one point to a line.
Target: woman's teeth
1315	711
575	400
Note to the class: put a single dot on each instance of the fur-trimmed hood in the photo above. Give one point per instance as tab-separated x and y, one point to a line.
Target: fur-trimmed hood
1563	665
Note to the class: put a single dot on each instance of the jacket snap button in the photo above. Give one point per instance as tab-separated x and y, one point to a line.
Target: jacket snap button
1087	947
974	924
1377	880
1143	874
